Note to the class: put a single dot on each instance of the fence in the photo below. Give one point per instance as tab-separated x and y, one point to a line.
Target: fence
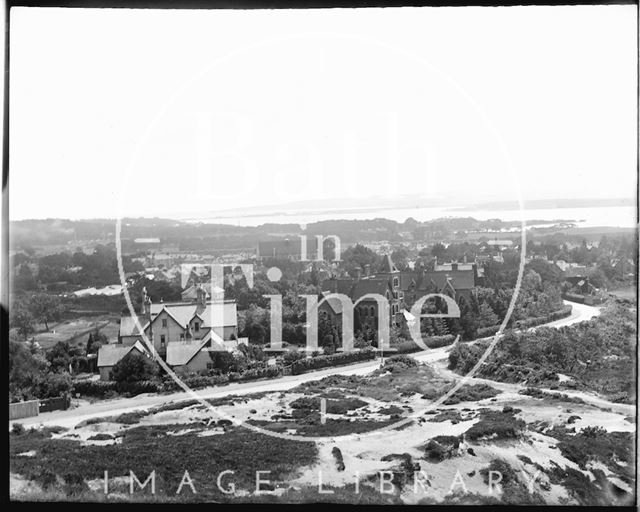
60	403
23	409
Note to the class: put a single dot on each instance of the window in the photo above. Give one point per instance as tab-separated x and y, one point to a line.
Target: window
366	312
373	311
395	295
164	322
210	366
396	282
182	337
197	327
162	340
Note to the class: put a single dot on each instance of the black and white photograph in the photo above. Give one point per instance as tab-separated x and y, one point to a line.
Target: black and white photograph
359	254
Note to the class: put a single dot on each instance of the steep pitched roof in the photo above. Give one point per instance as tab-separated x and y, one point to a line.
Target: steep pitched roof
215	314
191	293
372	285
343	286
128	325
181	352
354	288
460	279
334	303
109	355
387	265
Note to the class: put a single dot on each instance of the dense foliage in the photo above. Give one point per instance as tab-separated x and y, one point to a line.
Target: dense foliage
598	354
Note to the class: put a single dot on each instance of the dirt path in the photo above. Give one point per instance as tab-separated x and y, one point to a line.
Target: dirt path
71	417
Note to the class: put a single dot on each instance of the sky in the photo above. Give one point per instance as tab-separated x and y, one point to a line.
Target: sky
168	113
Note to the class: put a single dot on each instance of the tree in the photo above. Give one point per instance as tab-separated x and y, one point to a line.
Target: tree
252	352
95	341
357	257
55	385
439	251
21	319
26	369
45	308
486	316
228	362
400	258
134	367
61	356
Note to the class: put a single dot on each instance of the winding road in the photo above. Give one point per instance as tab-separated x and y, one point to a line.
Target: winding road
86	410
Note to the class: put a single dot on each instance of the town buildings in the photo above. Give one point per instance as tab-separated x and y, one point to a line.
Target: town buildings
401	289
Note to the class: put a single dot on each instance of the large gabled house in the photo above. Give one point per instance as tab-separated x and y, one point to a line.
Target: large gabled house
453	279
179	328
385	283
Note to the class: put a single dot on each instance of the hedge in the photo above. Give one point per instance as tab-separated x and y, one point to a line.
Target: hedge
409	346
95	388
574	297
138	387
205	381
485	332
314	363
439	341
551	317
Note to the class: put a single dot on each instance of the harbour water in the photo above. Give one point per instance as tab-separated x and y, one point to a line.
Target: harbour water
614	216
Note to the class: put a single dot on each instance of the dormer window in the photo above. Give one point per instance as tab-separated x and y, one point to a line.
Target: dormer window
196	327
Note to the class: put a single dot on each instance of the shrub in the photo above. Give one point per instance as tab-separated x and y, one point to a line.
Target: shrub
399	363
441	447
134	367
506	471
102	436
472	393
334	406
17	429
337	455
498	425
130	418
292	356
74	484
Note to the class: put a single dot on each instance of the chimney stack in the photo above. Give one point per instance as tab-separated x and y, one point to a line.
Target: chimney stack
201	295
367	270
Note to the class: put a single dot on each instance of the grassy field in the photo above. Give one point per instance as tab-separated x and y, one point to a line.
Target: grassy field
77	331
